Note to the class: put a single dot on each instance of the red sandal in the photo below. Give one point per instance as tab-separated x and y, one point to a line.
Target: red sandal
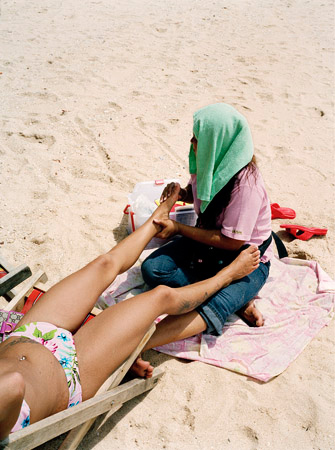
304	233
281	213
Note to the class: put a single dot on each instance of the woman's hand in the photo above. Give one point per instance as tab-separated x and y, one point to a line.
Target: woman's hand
169	228
168	191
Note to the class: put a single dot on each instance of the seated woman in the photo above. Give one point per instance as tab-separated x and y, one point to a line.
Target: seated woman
233	211
44	368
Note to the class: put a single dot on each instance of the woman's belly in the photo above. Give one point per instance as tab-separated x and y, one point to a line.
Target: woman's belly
46	388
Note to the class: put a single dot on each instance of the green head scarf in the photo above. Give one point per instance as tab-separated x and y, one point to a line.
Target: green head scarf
224	147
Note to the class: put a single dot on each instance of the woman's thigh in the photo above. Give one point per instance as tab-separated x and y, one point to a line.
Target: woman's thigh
67	303
106	341
170	264
232	298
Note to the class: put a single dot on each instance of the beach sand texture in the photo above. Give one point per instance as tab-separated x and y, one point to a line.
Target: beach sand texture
97	96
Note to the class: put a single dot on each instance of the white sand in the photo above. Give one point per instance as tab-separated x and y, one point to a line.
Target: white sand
97	96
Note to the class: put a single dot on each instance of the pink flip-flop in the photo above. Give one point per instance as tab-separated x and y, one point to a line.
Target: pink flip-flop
304	233
278	212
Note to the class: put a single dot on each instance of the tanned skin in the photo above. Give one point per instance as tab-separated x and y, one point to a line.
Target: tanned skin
30	371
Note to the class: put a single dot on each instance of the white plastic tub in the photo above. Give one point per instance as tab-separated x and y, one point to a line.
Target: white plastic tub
145	194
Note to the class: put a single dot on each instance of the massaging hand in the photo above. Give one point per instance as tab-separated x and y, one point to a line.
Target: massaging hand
169	228
168	191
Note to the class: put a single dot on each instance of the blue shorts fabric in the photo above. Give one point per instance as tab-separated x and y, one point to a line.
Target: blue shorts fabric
171	265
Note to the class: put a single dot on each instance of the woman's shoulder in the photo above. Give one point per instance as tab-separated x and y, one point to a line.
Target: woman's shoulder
250	180
250	175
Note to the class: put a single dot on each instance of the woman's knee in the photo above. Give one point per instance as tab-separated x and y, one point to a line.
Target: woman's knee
149	272
106	262
165	295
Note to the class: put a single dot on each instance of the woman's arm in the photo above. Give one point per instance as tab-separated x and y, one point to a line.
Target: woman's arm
213	238
12	389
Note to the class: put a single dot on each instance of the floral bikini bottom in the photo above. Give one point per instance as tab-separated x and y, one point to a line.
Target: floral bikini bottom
61	344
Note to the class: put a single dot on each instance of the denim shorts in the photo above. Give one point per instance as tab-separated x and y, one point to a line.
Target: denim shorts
171	265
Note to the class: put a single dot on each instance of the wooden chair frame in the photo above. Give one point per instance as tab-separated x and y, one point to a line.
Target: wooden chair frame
109	398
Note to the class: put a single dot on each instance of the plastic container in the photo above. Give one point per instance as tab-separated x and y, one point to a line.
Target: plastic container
139	211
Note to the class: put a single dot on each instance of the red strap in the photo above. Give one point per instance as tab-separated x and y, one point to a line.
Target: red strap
31	300
125	211
132	220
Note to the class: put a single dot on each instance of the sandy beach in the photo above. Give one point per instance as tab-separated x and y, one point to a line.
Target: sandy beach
97	96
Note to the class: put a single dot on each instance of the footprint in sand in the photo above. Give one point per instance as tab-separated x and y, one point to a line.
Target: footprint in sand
40	195
300	254
142	94
154	126
251	434
35	138
42	95
31	122
189	420
40	138
114	106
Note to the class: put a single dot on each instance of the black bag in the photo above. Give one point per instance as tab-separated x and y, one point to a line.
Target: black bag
207	261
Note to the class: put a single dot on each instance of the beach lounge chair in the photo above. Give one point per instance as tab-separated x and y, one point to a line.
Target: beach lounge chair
109	398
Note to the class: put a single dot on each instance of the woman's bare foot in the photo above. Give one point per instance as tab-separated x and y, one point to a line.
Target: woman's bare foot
246	262
251	315
184	299
142	368
162	212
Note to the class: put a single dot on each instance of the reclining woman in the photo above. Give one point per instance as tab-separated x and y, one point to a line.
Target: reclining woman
41	360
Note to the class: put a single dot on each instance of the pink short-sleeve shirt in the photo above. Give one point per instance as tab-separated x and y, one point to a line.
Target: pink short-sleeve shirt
247	217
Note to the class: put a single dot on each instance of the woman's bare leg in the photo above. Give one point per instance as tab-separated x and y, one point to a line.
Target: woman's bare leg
106	341
171	329
251	315
68	302
12	390
174	328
